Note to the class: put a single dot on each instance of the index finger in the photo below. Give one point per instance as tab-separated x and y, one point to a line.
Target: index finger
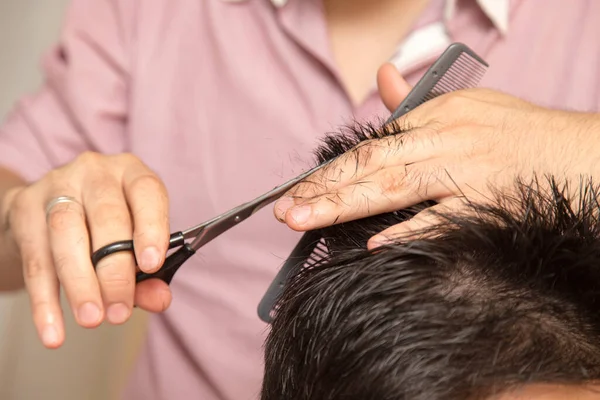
413	137
395	146
147	198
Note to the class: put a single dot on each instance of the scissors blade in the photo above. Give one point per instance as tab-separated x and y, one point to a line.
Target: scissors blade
209	230
195	230
280	190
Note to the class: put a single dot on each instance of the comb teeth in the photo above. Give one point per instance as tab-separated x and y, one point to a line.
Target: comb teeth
457	68
318	254
464	73
310	251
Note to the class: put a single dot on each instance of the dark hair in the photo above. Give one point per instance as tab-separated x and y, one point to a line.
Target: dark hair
503	295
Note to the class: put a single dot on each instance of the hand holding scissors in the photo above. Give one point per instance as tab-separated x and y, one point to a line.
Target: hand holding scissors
187	242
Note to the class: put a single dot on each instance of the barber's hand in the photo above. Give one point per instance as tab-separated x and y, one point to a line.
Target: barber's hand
460	144
116	198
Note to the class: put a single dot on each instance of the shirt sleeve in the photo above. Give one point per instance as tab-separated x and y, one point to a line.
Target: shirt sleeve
82	104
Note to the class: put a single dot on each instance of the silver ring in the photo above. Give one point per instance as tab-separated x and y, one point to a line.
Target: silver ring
60	200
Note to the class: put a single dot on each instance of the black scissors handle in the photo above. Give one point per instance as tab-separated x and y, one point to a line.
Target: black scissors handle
167	270
170	267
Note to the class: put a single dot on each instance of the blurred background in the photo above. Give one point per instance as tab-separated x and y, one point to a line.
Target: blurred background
93	364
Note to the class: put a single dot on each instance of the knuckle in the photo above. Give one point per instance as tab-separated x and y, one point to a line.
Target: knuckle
127	158
393	182
54	176
146	182
33	268
40	305
43	308
453	102
61	180
115	275
88	158
116	281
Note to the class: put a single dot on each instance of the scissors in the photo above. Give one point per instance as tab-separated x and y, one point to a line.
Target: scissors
201	234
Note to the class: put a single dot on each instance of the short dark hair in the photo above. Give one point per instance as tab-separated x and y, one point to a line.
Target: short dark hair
505	294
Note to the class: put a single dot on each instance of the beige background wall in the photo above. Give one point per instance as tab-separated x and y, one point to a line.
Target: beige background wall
93	364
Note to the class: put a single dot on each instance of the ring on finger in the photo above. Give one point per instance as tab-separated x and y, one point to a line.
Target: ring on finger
60	200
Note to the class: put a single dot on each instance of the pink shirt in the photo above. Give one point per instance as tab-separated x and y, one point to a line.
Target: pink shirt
225	100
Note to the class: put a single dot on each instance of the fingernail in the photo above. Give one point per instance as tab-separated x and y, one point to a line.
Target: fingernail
50	335
117	313
281	207
149	259
378	241
89	314
301	214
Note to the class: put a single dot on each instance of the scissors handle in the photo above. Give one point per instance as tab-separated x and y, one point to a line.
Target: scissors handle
171	265
168	269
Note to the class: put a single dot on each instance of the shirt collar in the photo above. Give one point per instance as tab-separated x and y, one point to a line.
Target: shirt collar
496	10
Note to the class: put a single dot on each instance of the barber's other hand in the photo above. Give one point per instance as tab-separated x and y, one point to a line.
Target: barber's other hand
118	198
460	144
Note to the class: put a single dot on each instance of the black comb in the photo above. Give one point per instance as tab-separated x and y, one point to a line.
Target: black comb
457	68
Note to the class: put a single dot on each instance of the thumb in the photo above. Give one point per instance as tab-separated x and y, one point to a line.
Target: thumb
392	87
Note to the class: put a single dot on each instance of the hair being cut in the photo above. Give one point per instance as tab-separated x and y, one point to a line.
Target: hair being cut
505	294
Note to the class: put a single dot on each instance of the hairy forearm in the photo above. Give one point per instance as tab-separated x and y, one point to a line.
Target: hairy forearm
579	147
11	277
594	142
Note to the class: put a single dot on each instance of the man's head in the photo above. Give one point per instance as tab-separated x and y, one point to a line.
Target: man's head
502	301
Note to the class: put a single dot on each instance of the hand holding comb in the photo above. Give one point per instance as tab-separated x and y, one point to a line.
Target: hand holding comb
457	68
